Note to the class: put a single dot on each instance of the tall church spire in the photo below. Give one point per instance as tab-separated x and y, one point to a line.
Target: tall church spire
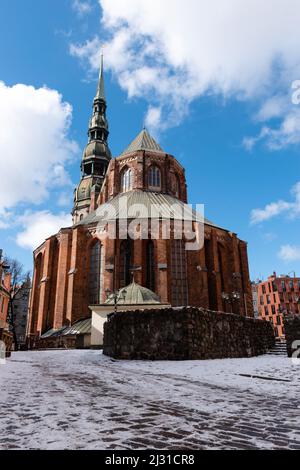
96	155
100	90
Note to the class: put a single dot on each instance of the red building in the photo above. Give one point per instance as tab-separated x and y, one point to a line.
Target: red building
5	284
278	296
80	265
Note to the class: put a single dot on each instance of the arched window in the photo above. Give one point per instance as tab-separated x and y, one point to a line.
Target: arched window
125	263
126	180
179	274
177	186
154	178
150	266
211	277
95	274
38	273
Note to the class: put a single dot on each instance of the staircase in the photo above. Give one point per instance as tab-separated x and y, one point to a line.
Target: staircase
279	348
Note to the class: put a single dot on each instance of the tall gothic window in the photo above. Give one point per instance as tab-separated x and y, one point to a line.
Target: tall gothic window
211	277
150	266
222	266
154	178
126	254
95	274
177	186
38	269
126	180
179	274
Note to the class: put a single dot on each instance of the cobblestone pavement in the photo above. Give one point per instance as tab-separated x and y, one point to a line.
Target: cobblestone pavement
82	400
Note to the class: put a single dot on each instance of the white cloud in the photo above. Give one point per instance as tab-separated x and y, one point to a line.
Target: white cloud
34	144
289	253
153	117
274	209
287	132
171	53
82	7
37	226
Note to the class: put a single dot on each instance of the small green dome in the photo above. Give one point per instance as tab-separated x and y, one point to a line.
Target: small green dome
84	189
96	148
134	294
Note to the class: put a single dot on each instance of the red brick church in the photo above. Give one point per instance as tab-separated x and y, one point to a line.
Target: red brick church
80	265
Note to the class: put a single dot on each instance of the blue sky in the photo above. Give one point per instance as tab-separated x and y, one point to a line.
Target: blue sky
217	98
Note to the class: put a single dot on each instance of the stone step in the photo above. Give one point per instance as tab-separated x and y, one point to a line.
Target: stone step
279	349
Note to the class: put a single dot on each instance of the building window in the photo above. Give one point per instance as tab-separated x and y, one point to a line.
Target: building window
273	309
266	311
126	254
177	186
154	178
150	266
222	266
179	274
95	274
126	180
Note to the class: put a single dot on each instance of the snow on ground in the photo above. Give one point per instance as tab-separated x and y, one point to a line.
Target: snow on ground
84	400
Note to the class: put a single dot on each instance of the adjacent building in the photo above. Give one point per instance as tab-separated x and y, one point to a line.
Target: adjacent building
255	299
20	308
278	296
5	283
81	266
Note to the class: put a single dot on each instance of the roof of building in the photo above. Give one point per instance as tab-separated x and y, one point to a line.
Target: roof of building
143	141
81	327
140	204
134	294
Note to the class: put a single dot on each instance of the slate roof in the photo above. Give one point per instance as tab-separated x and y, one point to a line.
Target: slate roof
143	141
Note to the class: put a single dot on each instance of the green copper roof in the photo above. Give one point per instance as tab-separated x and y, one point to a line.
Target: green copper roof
81	327
100	95
143	141
140	204
134	294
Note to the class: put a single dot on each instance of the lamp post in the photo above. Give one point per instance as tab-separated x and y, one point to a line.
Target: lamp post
231	298
116	296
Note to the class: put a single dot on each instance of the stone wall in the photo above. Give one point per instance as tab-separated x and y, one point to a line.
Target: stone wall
187	333
292	333
7	338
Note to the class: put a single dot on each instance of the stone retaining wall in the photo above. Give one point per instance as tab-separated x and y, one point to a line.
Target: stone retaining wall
292	334
7	338
182	334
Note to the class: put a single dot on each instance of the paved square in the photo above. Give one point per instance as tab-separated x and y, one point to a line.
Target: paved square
84	400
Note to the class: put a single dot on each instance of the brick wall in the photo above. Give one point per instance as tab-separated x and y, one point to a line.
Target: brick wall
292	334
182	334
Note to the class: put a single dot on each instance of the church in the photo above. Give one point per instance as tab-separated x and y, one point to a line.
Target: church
86	264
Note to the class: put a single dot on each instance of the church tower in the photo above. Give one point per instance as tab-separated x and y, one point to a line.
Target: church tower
96	157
